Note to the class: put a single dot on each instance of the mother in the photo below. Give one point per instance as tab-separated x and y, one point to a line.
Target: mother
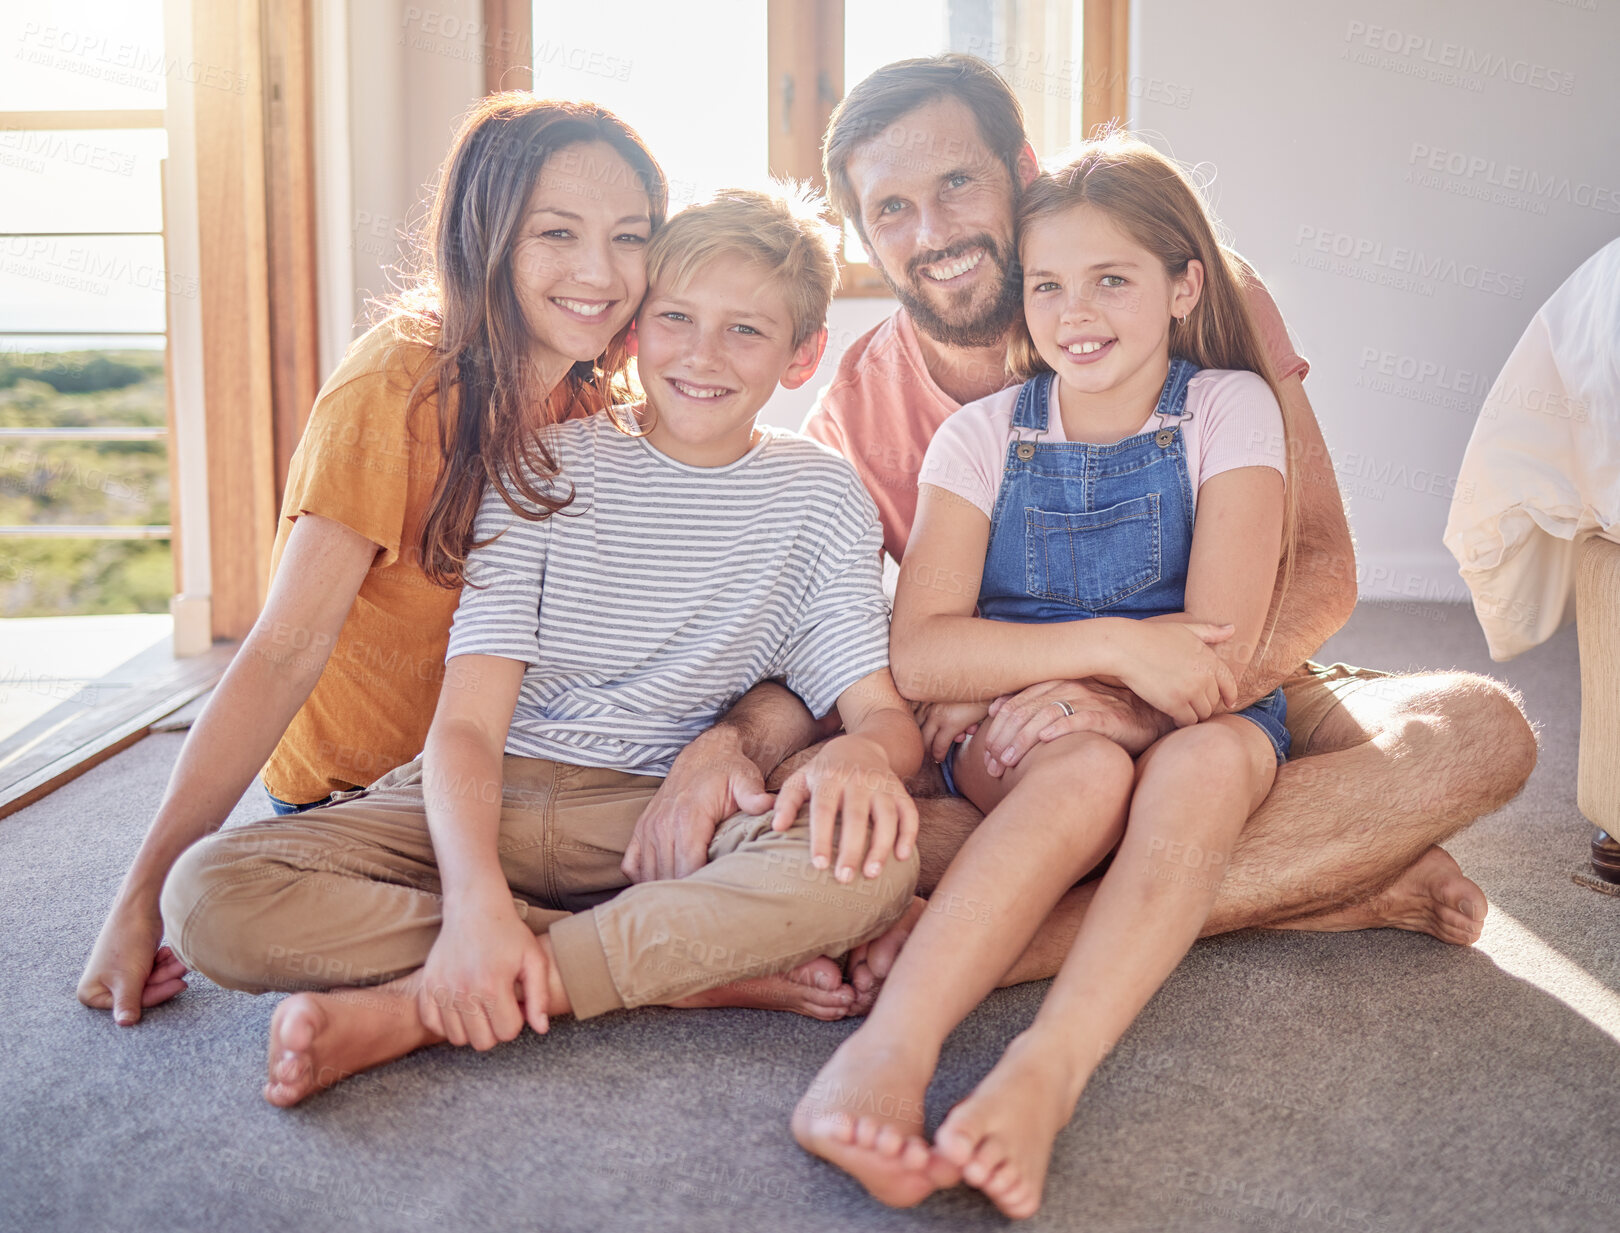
518	318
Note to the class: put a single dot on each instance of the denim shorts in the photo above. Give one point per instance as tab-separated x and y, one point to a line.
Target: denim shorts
1270	715
282	808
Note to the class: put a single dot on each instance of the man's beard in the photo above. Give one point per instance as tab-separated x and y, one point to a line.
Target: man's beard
990	325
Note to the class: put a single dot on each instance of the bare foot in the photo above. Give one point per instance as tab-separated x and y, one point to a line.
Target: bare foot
320	1039
815	988
864	1113
1434	896
871	962
1001	1136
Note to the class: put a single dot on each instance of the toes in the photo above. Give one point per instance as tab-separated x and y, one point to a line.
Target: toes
1457	929
839	1127
953	1144
288	1081
881	959
889	1141
942	1173
916	1154
821	973
293	1027
1008	1189
289	1069
989	1157
814	1121
840	996
866	1133
999	1182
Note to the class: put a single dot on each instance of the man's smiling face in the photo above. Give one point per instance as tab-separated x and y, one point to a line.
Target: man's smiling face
936	211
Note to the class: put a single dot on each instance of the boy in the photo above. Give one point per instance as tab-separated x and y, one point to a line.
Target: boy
700	555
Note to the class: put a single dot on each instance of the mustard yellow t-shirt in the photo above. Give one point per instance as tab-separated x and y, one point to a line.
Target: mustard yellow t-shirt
362	464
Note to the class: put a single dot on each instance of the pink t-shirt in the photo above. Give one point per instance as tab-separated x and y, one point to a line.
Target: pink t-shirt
1230	420
881	408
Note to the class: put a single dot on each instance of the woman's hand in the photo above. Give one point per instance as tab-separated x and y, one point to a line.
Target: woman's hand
851	785
1023	720
1170	665
483	955
945	724
128	970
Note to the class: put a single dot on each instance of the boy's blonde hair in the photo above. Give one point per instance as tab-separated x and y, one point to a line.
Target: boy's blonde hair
781	230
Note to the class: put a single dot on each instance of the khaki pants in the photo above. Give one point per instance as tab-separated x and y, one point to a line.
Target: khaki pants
1314	692
349	894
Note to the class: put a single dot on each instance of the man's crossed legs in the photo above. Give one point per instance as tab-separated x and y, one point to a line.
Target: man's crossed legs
345	899
1384	769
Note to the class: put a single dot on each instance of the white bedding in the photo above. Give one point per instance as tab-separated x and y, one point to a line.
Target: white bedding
1542	469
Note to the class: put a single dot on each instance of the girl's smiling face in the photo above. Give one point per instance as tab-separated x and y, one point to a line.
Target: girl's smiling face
1099	304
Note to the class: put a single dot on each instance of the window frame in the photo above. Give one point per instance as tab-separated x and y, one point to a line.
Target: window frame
806	44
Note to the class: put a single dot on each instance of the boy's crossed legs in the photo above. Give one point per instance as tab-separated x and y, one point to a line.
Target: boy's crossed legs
1186	799
345	900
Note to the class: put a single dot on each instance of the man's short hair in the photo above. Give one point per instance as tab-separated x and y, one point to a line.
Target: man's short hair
781	230
896	90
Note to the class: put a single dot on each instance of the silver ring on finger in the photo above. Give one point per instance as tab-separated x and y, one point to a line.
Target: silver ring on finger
1063	706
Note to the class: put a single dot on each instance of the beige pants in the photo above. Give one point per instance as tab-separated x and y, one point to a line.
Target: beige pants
349	894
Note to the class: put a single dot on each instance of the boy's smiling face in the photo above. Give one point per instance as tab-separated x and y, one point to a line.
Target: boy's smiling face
710	352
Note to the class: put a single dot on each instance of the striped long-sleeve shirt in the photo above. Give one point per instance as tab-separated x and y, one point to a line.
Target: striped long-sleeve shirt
665	592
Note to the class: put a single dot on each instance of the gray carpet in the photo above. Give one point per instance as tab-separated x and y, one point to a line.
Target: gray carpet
1373	1082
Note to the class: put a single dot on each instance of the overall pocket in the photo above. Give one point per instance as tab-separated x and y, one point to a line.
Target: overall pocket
1096	559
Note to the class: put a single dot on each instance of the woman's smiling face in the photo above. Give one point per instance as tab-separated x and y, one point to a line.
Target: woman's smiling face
579	264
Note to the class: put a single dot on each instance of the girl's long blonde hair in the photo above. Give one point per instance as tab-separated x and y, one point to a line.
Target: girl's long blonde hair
1154	202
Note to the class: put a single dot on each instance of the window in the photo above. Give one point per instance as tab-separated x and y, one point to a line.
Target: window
84	472
690	77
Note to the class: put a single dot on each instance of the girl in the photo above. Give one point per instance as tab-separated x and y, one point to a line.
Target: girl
518	317
1119	515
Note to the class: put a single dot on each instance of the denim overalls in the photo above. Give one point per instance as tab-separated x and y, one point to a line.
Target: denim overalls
1084	530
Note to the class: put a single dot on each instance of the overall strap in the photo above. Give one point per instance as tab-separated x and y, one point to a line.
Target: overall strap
1173	397
1034	397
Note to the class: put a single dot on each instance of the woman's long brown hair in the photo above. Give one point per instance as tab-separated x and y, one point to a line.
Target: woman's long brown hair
1153	201
463	304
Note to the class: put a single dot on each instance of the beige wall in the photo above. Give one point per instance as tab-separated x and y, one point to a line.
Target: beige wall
1409	215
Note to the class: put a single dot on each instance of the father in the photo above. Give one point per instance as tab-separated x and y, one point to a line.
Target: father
927	159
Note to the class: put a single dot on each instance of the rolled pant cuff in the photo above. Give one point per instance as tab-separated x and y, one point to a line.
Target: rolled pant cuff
583	967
